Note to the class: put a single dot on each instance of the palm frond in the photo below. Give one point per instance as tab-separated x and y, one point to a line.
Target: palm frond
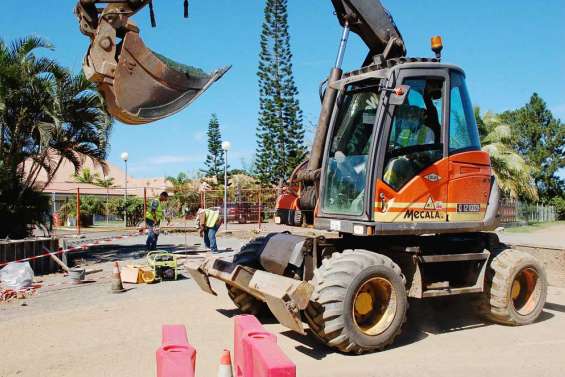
21	48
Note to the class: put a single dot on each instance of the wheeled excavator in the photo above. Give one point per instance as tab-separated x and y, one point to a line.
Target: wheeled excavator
396	175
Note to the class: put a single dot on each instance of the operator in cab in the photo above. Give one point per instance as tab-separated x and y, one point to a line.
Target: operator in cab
153	217
209	221
415	124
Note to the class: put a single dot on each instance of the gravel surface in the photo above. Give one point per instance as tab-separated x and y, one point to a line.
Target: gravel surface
85	330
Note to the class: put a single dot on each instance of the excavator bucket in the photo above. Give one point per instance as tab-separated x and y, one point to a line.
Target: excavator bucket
139	86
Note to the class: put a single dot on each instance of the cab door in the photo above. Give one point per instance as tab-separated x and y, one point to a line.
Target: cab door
469	167
413	169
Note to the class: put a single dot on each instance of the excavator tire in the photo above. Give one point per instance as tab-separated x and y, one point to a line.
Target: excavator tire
515	289
343	311
249	256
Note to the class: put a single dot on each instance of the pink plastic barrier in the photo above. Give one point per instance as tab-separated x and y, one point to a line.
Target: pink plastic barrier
176	357
256	353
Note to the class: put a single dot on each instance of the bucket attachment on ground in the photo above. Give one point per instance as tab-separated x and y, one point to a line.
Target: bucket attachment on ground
138	85
284	296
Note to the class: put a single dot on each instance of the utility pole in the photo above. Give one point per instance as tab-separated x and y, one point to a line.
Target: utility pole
125	158
226	145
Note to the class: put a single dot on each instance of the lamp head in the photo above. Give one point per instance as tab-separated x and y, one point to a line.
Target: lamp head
226	145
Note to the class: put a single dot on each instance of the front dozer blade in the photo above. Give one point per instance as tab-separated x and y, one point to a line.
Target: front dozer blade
284	296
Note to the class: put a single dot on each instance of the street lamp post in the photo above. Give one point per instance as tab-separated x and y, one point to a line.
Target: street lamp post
125	158
226	145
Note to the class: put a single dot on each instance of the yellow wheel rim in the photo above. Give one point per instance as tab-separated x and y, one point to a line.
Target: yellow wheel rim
374	306
526	291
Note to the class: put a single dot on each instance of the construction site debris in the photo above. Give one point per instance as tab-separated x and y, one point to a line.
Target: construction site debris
17	276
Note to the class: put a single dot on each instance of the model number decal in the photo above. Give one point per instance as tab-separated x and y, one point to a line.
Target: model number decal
474	208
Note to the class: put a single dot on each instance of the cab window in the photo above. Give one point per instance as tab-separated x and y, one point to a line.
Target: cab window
463	132
350	144
414	140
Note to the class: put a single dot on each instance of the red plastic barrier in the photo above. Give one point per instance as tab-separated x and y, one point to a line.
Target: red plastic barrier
176	357
256	353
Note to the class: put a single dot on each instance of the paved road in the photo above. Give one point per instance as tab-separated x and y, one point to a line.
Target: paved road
87	331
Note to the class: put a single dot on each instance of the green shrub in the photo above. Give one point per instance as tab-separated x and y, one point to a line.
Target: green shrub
89	206
559	204
20	207
134	207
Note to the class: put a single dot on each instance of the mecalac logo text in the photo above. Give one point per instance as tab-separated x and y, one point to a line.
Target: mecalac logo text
422	215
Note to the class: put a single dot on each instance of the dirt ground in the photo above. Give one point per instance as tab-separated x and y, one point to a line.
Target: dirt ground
85	330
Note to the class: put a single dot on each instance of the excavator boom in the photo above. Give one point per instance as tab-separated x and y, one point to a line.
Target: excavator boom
138	85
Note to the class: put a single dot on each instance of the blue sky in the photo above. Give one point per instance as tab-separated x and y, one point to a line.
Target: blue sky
509	50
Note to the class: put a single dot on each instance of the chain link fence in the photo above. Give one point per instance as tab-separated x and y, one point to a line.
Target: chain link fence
515	212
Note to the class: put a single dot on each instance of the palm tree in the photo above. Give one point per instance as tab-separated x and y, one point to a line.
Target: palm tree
86	176
513	174
179	182
47	115
107	183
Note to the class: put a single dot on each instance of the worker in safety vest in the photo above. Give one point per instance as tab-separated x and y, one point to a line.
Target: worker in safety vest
209	221
409	129
153	217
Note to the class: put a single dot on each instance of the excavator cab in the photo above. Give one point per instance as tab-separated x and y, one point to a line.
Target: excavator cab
409	163
138	85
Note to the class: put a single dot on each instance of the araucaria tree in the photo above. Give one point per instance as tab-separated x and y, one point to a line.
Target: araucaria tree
215	158
280	130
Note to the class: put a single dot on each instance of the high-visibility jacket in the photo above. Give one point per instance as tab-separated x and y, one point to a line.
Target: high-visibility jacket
399	169
407	137
209	218
159	211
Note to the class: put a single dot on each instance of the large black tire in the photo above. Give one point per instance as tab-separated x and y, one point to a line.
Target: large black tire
515	289
337	283
249	256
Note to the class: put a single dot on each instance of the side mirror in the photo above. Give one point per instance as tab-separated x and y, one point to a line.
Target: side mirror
399	94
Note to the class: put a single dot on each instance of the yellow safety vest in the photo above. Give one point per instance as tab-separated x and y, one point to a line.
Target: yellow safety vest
211	217
160	212
407	137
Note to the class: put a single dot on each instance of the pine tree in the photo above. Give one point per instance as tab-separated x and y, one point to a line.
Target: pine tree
540	138
280	130
215	158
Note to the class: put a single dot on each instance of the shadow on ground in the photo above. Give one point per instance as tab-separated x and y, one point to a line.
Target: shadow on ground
555	307
112	253
425	318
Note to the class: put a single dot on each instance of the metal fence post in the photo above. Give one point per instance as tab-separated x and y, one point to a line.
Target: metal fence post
144	201
260	209
78	210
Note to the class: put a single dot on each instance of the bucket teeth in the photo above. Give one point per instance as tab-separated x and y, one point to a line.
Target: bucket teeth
138	85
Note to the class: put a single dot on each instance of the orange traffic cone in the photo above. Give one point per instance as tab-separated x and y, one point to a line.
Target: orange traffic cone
224	370
117	286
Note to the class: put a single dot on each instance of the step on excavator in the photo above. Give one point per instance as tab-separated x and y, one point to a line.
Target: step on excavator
396	175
